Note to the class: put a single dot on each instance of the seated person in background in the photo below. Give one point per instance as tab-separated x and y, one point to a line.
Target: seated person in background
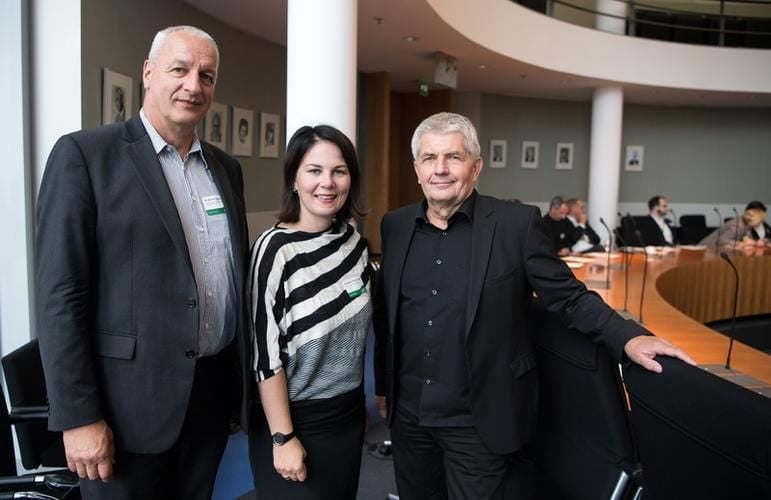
751	228
584	238
660	235
557	227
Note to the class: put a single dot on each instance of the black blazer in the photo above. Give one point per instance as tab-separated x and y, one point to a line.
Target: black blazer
116	298
511	258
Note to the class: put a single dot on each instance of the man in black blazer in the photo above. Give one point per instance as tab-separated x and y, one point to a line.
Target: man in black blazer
656	229
557	227
584	238
452	355
141	247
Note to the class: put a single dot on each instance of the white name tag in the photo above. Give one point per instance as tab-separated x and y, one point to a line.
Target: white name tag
213	205
354	287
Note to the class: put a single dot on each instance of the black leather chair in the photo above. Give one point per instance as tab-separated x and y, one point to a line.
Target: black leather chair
38	447
583	448
693	228
699	436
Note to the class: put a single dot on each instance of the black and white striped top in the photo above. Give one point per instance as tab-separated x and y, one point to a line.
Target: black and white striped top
310	309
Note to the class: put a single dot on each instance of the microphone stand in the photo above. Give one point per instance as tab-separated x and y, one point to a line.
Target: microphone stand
726	258
719	225
626	265
610	247
645	273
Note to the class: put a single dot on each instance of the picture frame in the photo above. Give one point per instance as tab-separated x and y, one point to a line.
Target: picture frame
242	126
216	125
117	96
563	156
530	154
497	153
269	135
633	161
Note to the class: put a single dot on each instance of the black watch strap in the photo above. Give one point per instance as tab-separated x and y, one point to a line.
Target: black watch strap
280	439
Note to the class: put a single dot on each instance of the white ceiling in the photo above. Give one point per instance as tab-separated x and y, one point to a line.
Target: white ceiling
383	25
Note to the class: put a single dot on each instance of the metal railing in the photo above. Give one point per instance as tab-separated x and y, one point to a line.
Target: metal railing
657	21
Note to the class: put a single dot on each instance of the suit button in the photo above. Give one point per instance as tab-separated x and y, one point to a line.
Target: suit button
190	354
191	303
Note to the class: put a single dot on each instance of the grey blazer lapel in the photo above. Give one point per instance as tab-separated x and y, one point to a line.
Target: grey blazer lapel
148	168
482	232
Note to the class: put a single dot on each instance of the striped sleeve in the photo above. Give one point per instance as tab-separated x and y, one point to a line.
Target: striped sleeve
265	270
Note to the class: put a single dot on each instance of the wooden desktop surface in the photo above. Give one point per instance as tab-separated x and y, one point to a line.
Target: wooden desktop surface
684	289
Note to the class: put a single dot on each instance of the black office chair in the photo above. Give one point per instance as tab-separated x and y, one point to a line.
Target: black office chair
699	436
693	228
38	447
583	448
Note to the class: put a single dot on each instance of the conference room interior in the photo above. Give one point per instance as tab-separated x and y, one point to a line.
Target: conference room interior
566	102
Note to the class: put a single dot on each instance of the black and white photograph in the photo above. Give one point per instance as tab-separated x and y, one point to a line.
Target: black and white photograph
116	97
634	158
564	156
216	126
243	127
269	135
530	154
497	153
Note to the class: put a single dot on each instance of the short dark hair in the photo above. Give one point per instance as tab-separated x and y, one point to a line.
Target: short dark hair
654	202
556	202
755	205
299	145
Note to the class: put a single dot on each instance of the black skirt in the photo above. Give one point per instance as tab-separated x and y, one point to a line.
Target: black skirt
332	432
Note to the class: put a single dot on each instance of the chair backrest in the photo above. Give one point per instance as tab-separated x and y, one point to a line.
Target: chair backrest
699	436
25	380
583	426
693	229
7	453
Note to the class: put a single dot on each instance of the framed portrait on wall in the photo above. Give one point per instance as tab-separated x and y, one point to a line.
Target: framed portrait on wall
243	127
497	153
216	125
117	94
269	135
530	154
564	156
634	158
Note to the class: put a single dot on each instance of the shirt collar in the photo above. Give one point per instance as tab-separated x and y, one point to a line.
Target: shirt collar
466	209
159	143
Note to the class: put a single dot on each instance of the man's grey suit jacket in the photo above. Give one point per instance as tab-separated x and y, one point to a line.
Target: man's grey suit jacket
116	299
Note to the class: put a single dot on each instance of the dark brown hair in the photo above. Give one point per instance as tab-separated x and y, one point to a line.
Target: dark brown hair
299	145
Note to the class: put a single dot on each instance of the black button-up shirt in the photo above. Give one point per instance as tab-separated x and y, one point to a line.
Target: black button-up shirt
433	380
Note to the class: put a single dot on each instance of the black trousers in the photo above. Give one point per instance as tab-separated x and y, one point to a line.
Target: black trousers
332	432
189	468
438	463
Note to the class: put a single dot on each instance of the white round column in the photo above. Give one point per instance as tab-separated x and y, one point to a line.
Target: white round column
604	158
321	65
612	24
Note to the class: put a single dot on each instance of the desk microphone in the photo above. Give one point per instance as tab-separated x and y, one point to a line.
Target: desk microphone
626	262
674	217
645	272
719	225
736	223
610	247
726	258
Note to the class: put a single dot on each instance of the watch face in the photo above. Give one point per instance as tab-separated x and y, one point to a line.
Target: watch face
280	439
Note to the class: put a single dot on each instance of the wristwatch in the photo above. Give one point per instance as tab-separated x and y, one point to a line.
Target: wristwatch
281	439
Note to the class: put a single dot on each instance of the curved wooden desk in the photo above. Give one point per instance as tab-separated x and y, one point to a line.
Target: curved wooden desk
686	288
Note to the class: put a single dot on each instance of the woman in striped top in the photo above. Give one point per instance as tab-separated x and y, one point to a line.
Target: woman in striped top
310	310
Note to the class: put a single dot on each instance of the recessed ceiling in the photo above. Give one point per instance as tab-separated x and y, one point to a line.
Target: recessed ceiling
383	46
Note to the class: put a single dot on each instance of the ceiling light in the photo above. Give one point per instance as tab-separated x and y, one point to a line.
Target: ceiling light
410	38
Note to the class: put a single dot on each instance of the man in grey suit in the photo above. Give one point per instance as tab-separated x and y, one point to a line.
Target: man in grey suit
140	266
